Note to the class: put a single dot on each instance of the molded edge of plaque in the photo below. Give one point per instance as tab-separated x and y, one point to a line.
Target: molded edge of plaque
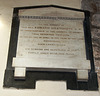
81	65
78	63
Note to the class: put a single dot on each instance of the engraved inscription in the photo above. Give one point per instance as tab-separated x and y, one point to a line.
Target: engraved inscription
51	38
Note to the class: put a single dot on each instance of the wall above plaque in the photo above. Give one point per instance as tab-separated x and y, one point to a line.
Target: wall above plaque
50	43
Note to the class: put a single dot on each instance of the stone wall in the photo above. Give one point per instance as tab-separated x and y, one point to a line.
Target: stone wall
94	7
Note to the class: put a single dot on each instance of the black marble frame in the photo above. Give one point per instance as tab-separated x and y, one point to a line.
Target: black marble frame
34	75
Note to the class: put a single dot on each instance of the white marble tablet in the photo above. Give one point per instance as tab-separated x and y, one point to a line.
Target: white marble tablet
51	38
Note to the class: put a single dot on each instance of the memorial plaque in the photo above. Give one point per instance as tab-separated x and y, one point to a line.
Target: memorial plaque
52	39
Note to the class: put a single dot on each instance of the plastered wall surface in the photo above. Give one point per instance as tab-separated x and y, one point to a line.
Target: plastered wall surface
44	88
